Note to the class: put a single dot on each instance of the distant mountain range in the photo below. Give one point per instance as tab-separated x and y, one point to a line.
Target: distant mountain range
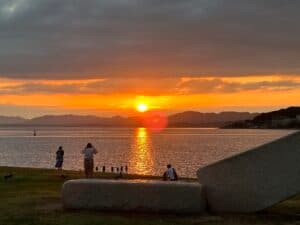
184	119
280	119
198	119
8	120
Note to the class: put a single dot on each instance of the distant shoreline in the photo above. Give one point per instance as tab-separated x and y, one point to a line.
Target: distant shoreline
99	126
101	175
187	119
134	127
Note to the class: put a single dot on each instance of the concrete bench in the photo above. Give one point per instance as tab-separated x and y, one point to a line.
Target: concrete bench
134	195
256	179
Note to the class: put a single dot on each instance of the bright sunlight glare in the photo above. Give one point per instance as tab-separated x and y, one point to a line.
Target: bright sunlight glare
142	107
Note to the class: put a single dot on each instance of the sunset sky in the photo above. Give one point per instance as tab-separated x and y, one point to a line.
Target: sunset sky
104	57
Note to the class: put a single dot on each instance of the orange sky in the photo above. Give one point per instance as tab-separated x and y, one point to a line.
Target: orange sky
104	57
115	97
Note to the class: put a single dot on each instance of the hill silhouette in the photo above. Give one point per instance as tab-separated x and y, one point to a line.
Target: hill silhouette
6	120
283	118
184	119
198	119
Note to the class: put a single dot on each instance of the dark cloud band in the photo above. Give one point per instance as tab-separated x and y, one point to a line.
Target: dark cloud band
54	39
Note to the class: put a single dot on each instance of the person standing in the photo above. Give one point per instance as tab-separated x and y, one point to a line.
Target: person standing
89	151
59	159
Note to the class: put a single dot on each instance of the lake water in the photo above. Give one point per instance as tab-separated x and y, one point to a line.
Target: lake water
143	151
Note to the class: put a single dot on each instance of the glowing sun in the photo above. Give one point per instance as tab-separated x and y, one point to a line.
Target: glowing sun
142	107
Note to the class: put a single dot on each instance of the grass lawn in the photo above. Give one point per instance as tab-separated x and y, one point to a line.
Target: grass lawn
32	196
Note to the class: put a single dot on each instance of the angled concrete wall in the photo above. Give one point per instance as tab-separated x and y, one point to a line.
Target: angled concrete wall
256	179
128	195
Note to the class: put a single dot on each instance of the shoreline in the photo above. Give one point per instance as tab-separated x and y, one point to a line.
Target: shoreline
97	175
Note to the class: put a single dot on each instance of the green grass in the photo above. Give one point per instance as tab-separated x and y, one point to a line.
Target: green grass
32	197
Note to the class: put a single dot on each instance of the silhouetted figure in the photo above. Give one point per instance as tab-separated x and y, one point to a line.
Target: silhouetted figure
103	169
59	159
121	168
112	169
34	132
96	168
63	176
8	176
119	176
126	169
170	174
117	169
89	151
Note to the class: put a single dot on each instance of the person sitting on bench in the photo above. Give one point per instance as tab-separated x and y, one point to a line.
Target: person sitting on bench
170	173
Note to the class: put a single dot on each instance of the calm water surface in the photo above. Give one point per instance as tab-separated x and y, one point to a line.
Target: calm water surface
143	151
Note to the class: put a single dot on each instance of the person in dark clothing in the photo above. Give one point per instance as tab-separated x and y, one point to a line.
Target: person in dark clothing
59	159
170	174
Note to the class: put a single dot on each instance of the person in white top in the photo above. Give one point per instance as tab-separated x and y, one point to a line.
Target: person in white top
89	151
170	174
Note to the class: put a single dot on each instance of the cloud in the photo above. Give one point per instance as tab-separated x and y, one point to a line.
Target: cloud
150	87
54	39
99	86
217	85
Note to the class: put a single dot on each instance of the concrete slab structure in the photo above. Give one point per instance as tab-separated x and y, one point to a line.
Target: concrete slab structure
256	179
134	195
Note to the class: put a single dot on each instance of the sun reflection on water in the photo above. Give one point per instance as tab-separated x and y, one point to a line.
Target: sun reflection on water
141	160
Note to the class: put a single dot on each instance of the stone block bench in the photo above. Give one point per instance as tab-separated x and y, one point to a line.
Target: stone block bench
134	195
